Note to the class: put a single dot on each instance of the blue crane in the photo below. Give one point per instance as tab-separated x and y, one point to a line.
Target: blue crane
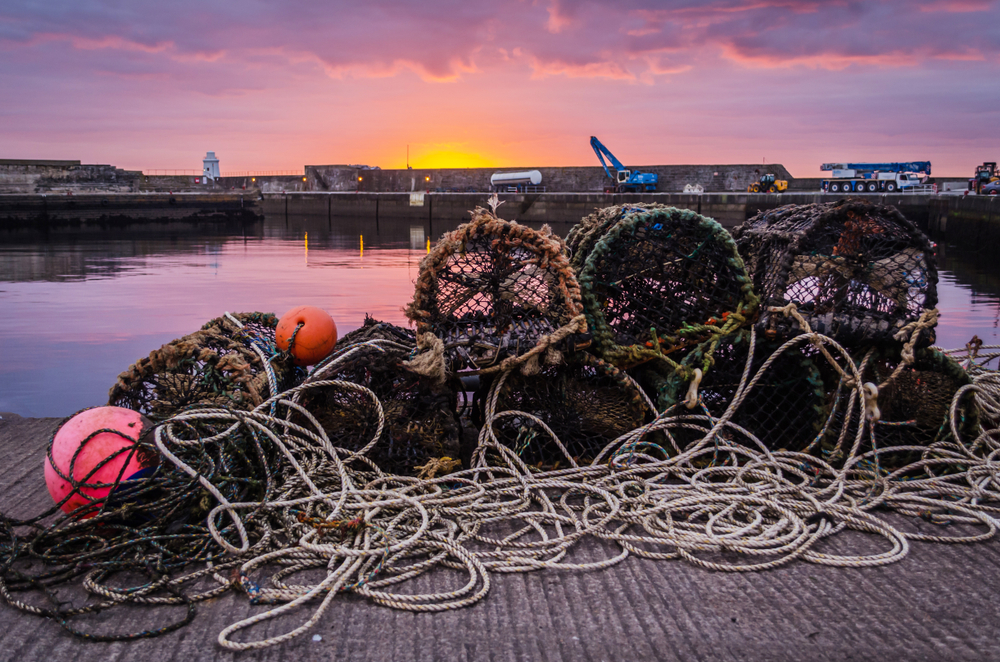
623	179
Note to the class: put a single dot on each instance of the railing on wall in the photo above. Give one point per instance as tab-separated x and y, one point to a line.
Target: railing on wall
245	173
193	173
265	173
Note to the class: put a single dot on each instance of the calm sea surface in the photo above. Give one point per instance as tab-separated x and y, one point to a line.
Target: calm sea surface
78	306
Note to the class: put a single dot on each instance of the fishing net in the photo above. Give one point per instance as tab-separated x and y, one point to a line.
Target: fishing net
493	289
565	415
231	362
856	271
914	402
786	406
261	503
399	421
584	235
152	531
658	282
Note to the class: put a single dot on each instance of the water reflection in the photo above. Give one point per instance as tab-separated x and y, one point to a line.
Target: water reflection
81	304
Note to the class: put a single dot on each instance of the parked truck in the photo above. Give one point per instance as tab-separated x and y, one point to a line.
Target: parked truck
874	177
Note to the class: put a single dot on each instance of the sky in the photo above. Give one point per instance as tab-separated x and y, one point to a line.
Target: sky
148	85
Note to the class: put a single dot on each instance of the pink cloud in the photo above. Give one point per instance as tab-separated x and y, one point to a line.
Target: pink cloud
722	80
956	6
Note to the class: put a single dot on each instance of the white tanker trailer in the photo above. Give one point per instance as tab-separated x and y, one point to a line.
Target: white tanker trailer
501	180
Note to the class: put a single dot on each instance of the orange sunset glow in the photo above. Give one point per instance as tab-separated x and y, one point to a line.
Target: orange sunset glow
279	86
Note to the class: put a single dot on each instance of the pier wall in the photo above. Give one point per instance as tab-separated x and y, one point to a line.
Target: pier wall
41	211
30	176
972	220
729	209
584	179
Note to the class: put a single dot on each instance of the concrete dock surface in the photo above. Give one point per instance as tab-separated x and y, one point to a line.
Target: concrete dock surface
939	603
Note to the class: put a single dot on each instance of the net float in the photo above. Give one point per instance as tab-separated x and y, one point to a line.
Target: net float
97	448
308	333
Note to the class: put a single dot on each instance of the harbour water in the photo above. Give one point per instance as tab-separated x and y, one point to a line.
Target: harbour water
78	306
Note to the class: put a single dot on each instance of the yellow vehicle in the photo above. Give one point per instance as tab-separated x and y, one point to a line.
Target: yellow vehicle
768	184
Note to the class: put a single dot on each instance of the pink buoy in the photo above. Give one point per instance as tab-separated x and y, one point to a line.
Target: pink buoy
128	426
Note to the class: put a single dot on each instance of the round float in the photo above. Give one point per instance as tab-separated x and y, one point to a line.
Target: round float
87	440
308	333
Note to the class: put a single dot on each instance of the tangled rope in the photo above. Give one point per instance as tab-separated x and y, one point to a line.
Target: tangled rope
260	501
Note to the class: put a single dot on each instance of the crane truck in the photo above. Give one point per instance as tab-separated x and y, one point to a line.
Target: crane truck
623	180
874	177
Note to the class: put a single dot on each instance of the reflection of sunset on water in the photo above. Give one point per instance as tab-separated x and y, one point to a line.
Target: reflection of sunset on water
94	314
99	302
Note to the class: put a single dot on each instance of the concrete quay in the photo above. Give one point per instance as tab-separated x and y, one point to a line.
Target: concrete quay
110	209
938	603
729	209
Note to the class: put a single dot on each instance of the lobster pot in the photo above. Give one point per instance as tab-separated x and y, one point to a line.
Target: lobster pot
658	282
914	406
587	403
491	288
585	234
785	409
420	421
216	366
855	271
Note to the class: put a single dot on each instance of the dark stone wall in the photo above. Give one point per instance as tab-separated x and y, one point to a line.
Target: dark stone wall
967	220
437	210
63	177
586	179
114	210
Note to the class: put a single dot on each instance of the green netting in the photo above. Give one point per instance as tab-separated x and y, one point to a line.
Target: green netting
786	408
658	282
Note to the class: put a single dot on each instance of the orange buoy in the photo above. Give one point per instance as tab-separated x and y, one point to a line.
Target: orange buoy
314	333
88	439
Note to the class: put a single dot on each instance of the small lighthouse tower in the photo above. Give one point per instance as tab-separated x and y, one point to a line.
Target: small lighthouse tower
210	167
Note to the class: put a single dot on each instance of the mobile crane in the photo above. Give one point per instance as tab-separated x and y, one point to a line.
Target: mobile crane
874	177
623	179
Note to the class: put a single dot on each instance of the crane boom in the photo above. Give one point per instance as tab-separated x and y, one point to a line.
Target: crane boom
623	179
603	151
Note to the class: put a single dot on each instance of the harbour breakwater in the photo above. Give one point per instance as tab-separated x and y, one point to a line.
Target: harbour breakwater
965	220
729	209
56	177
106	210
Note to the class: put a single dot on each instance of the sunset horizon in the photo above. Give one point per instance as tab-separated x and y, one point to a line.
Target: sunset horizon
278	87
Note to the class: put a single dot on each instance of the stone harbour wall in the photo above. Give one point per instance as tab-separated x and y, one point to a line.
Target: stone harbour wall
582	179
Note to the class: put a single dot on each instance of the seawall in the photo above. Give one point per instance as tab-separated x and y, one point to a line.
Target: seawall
729	209
972	220
582	179
110	209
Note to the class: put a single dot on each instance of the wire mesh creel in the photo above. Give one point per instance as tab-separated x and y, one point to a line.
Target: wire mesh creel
566	414
418	414
659	281
492	289
914	404
856	271
217	365
785	408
